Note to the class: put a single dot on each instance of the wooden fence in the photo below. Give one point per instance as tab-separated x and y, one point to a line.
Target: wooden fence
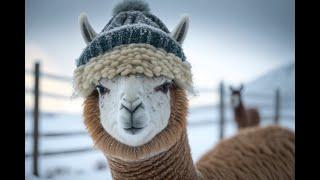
37	94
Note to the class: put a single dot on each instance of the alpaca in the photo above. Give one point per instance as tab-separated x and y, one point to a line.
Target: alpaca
244	117
254	153
136	107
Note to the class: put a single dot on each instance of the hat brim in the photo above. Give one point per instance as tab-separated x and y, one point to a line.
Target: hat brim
132	59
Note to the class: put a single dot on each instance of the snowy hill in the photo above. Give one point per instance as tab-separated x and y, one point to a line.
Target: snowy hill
282	77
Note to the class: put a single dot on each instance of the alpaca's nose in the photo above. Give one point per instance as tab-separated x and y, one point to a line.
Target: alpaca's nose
131	120
131	104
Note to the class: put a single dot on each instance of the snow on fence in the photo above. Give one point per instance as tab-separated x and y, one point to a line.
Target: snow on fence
221	106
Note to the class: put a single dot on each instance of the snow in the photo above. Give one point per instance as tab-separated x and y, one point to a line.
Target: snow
282	77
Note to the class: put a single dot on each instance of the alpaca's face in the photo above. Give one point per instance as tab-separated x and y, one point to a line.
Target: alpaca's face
134	109
235	100
236	95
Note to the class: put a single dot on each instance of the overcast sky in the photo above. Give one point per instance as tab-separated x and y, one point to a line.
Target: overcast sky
228	39
231	40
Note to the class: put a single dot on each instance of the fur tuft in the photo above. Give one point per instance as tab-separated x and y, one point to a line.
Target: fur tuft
131	5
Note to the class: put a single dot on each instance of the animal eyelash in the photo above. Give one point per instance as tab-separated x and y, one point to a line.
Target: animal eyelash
164	87
102	90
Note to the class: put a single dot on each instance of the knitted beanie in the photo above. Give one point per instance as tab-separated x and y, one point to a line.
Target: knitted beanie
134	41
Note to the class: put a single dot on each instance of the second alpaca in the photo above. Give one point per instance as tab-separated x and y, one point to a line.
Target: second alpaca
244	117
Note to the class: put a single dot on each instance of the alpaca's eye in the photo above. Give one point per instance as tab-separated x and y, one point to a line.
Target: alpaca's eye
163	87
102	90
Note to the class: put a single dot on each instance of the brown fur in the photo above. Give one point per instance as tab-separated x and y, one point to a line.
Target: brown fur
253	153
175	163
254	116
257	153
246	117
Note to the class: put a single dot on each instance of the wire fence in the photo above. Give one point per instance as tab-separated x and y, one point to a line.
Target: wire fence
222	106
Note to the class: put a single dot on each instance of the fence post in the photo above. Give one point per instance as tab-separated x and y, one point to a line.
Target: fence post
277	107
222	109
36	119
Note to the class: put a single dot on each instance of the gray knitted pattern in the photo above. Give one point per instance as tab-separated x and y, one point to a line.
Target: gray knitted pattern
131	27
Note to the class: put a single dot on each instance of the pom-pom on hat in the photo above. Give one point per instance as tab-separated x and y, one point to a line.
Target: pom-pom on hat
133	41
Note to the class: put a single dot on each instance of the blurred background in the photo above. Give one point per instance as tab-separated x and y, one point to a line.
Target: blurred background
228	43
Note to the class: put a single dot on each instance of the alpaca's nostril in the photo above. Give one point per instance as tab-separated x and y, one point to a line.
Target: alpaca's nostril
125	107
136	106
131	108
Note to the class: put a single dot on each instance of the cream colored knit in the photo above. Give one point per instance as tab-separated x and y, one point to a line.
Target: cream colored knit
132	59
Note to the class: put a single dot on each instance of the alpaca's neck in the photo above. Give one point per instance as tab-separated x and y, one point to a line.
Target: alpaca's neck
175	163
240	109
240	115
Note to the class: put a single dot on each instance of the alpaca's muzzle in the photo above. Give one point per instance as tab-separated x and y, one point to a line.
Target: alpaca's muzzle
131	118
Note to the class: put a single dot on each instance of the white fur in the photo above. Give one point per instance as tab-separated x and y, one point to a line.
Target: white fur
152	116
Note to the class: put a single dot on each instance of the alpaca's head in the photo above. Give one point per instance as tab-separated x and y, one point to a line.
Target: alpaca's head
135	117
135	108
134	77
236	95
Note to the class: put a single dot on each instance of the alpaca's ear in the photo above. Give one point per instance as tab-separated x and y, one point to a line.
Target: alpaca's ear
86	29
180	32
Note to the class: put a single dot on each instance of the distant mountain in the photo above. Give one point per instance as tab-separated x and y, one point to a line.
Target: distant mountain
282	77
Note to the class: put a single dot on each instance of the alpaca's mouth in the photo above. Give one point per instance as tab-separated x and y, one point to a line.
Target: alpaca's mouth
133	130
